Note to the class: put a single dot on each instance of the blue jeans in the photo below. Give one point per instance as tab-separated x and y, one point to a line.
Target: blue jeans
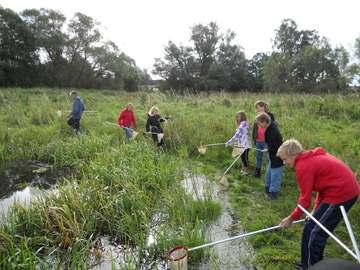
273	178
128	133
314	238
259	154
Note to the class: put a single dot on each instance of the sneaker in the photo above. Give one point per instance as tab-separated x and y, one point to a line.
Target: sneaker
257	173
298	266
272	195
242	172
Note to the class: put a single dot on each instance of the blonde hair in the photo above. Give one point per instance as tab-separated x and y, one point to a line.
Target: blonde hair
152	109
242	117
290	148
128	105
263	104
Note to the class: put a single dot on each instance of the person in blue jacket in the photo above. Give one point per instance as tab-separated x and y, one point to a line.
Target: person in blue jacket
77	110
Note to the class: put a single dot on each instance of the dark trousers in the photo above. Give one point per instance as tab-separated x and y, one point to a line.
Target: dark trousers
74	123
314	238
245	158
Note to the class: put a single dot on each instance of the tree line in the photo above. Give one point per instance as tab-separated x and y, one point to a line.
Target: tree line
39	48
301	61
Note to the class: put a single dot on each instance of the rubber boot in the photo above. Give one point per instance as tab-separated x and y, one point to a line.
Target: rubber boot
272	195
257	172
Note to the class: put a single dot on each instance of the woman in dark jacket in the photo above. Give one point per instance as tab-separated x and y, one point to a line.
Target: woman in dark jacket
273	140
153	126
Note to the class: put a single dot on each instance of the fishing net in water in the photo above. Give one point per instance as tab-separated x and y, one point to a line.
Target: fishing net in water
224	182
178	258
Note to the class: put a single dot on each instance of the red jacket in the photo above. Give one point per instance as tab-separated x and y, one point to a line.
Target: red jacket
126	117
331	178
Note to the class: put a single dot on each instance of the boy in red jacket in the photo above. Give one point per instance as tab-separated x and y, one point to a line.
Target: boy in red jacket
126	118
335	184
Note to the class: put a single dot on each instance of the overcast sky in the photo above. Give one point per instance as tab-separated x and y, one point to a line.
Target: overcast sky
142	28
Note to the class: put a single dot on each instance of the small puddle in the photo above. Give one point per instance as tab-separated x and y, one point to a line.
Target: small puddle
24	181
109	255
236	254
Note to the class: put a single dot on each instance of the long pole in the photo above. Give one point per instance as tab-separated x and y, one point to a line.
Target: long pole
214	144
327	231
240	236
351	233
260	150
232	164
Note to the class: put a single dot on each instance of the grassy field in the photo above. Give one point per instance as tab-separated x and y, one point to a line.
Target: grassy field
118	187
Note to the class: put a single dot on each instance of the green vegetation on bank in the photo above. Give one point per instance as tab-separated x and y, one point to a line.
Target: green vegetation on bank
119	187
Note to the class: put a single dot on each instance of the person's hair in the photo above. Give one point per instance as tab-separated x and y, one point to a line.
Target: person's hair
242	117
263	117
73	93
128	105
263	104
152	109
290	148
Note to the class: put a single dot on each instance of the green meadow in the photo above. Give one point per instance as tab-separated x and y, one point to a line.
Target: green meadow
117	187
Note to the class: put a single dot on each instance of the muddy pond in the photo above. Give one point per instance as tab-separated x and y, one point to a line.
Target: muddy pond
23	181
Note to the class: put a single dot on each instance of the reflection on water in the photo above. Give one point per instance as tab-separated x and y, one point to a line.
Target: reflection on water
235	254
23	181
22	197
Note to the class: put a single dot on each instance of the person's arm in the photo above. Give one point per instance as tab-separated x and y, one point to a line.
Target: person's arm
133	120
120	118
254	131
318	200
305	178
306	182
148	125
235	137
161	119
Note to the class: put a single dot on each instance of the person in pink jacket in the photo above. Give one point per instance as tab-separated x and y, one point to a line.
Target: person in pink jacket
335	185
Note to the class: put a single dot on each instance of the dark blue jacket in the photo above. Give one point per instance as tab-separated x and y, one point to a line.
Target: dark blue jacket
77	108
273	140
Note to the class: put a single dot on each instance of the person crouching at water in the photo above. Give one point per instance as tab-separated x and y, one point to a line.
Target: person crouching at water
153	125
274	169
241	140
78	109
335	184
126	119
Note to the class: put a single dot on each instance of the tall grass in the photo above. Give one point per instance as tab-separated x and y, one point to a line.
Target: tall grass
119	186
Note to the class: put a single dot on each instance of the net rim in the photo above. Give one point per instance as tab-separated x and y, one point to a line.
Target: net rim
177	248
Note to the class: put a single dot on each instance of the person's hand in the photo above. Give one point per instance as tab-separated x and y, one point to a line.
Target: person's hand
307	218
286	222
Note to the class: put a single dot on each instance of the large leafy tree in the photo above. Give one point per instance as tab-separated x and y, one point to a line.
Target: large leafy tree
304	61
256	71
18	52
46	26
212	63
